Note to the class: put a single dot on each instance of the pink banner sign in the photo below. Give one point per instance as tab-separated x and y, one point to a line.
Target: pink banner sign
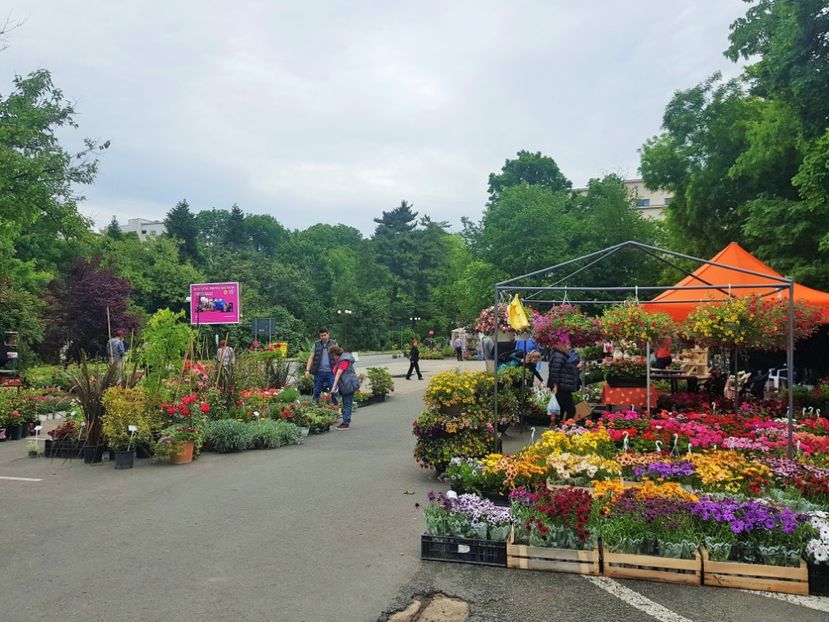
215	303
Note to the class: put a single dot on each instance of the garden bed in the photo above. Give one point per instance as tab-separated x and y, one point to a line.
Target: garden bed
653	568
788	580
552	559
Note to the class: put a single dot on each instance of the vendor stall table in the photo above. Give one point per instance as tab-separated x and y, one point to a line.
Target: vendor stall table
674	377
628	396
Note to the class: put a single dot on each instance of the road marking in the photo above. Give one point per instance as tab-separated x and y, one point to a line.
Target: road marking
818	603
635	599
21	479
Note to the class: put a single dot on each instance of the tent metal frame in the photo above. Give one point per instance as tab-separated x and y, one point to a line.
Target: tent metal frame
778	284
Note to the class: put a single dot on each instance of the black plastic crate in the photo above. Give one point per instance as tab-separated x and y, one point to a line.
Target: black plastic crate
818	579
463	550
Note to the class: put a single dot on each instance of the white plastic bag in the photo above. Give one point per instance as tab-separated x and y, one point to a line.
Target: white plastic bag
553	409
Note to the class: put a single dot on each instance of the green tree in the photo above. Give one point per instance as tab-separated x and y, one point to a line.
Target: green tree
212	225
113	229
181	225
534	169
236	233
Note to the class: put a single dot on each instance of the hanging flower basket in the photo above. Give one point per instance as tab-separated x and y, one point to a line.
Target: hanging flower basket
565	324
629	322
487	320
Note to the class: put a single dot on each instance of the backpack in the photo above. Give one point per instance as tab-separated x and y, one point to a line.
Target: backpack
349	381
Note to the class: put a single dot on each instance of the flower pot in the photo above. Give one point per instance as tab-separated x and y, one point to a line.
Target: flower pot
93	454
14	431
818	579
304	431
124	459
33	454
184	454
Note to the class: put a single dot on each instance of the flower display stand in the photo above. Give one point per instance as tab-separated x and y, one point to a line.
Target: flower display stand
553	486
463	550
553	560
653	568
789	580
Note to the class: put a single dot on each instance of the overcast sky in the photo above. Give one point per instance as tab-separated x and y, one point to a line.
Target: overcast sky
334	111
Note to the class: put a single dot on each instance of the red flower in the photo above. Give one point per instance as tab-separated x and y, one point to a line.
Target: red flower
205	408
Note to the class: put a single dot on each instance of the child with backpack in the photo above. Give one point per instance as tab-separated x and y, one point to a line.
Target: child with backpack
346	380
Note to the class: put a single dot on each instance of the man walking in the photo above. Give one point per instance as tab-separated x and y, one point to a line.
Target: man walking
319	364
459	347
414	359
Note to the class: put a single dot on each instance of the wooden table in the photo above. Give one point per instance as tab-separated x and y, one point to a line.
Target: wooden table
692	381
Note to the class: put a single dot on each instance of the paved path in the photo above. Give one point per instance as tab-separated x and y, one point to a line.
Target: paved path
323	532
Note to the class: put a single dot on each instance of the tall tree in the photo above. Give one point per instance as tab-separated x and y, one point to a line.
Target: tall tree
79	306
236	233
181	225
113	229
534	169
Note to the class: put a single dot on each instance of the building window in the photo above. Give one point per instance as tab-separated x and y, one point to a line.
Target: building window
667	200
143	232
643	203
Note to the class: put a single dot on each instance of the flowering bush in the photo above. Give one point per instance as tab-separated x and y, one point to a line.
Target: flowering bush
559	519
458	389
618	370
817	549
441	438
565	324
754	531
466	516
486	320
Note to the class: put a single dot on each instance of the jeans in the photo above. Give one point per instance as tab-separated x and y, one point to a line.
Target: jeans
348	400
323	380
459	353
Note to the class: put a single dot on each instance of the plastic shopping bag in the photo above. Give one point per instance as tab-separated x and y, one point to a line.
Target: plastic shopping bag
553	409
516	316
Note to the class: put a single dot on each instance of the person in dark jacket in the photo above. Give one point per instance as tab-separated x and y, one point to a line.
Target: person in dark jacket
414	362
563	379
319	365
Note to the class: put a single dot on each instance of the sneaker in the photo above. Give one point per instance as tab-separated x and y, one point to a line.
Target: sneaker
343	426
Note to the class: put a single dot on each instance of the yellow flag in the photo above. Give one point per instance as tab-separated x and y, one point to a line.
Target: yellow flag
516	316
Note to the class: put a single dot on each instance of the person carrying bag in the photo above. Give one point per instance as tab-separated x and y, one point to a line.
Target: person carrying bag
562	381
346	381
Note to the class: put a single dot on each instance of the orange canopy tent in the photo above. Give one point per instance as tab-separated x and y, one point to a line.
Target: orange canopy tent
675	302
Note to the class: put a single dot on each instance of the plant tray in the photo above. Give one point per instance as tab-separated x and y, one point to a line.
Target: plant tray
463	550
553	560
553	487
653	568
789	580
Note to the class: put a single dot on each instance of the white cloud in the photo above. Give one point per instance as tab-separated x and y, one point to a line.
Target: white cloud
332	112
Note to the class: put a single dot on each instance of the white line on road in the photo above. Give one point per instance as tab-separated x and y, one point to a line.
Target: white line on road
818	603
21	479
635	599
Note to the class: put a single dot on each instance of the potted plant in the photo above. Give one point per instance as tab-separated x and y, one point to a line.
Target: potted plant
126	423
178	444
89	385
381	382
32	448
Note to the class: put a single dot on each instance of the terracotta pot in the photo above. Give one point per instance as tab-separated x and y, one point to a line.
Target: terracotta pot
184	454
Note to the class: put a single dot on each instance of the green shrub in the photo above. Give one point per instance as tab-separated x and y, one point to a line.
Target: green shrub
228	435
270	434
286	396
381	380
45	376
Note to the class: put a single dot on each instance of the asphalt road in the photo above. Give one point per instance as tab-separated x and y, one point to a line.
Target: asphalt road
326	531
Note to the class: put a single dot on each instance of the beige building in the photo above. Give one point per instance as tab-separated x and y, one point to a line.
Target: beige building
651	203
143	227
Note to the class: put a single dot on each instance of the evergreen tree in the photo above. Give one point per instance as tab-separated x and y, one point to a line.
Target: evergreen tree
181	225
236	231
113	230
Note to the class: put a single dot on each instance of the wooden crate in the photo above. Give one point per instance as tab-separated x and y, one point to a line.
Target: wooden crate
756	576
553	560
652	568
554	487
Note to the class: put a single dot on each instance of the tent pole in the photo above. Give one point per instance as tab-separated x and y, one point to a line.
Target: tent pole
790	373
648	374
495	374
